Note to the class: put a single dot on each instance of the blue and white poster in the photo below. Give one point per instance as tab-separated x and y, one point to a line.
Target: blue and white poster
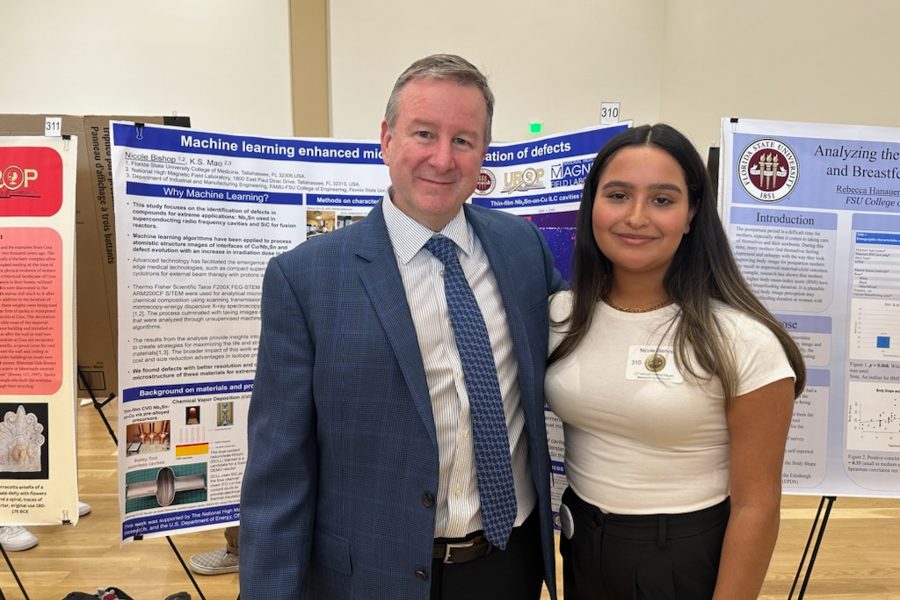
198	215
541	180
813	214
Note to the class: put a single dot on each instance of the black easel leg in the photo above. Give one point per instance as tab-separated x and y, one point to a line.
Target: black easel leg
812	559
14	574
99	406
185	567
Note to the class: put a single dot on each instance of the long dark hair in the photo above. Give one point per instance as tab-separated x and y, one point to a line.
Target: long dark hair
702	270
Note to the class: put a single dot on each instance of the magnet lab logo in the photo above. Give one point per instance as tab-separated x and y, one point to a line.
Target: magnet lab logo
522	181
15	181
486	183
570	173
768	170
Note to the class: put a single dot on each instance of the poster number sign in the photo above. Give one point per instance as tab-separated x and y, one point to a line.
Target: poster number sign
609	113
53	126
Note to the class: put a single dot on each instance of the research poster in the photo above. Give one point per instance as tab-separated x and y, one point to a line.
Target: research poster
38	476
198	216
542	180
813	214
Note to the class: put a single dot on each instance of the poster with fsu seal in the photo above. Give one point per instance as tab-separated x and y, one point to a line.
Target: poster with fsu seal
38	478
813	214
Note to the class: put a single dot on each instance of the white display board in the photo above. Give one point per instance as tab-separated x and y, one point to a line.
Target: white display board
813	215
38	476
198	215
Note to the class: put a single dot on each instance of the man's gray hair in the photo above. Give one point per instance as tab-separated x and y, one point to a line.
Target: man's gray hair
443	66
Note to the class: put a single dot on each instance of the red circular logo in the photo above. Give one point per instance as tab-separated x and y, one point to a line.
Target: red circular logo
486	182
13	177
769	169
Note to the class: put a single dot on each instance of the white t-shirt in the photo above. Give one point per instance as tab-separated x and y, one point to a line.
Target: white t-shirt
641	436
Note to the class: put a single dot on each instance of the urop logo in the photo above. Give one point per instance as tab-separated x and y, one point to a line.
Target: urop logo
15	177
31	181
522	181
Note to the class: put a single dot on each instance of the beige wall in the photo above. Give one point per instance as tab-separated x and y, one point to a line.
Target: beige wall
825	61
309	68
688	62
225	63
549	61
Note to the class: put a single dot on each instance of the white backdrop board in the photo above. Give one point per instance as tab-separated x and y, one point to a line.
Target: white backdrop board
198	215
38	476
813	214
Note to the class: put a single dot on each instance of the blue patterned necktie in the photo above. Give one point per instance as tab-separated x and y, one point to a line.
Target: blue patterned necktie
491	441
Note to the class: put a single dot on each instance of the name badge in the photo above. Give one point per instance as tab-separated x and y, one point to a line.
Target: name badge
651	363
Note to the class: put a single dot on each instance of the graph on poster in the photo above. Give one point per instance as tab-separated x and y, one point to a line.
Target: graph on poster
874	329
873	417
875	304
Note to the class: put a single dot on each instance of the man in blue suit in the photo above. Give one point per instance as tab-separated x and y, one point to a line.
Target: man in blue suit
365	477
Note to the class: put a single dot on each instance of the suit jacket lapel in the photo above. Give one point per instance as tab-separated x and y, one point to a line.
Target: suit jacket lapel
499	252
381	279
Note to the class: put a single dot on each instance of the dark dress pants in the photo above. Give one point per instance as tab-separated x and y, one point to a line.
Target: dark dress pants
641	557
516	573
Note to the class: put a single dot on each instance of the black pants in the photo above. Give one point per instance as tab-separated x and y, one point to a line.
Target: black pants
512	574
641	557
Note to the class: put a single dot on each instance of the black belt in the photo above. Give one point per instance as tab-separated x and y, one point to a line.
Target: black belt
452	552
659	527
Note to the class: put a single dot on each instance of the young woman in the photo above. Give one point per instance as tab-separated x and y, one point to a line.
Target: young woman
675	385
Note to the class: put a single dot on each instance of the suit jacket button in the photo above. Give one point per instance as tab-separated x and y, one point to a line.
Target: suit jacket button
427	500
422	574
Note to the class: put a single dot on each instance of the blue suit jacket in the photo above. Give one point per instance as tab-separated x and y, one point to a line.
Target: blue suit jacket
342	443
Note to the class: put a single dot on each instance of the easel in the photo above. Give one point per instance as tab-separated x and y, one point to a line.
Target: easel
15	575
812	532
99	406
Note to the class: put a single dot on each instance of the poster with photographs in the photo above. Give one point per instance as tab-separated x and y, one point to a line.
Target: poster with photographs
38	477
199	214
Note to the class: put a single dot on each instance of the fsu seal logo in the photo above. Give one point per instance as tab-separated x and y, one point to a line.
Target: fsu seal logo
655	363
486	183
768	170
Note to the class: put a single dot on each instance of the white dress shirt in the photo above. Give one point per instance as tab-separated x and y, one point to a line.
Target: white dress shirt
458	506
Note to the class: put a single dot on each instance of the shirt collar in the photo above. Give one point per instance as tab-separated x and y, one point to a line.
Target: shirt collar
408	236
